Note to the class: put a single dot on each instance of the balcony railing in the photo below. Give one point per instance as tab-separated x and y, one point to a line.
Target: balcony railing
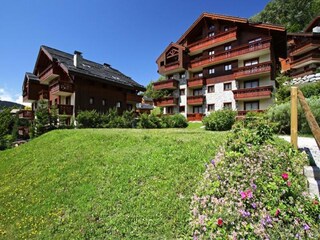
167	101
195	116
253	93
65	109
132	97
232	53
213	41
61	88
48	74
306	60
26	114
305	46
196	82
166	84
195	100
220	79
253	70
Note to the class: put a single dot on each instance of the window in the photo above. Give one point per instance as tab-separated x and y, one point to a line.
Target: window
103	102
226	28
227	67
227	86
211	27
197	109
211	52
68	100
162	63
211	107
211	89
251	84
182	109
251	62
91	100
211	34
182	92
227	105
118	104
227	47
169	110
255	40
211	70
129	107
251	105
182	75
198	74
197	92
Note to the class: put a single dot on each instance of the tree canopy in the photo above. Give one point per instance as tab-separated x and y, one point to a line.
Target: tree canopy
295	15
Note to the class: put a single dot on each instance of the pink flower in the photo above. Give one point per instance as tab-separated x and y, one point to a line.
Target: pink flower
249	193
289	183
220	222
243	195
285	176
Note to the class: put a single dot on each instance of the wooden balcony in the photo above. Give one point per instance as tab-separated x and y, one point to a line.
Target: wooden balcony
306	60
196	82
166	102
43	95
166	84
257	70
245	51
253	93
132	97
195	116
195	100
65	109
220	79
216	40
48	75
23	131
305	46
171	68
61	88
26	114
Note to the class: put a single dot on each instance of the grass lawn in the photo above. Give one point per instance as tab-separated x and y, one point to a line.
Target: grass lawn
103	183
196	125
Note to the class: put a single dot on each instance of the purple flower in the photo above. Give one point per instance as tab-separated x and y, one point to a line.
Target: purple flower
254	205
245	213
212	162
254	187
268	219
263	222
306	227
298	236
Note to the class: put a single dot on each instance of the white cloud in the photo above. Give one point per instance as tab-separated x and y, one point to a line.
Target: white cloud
7	96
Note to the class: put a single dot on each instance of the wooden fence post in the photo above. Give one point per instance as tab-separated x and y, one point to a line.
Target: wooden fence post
294	117
310	118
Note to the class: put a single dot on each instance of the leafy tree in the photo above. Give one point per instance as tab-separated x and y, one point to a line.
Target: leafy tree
293	14
6	126
150	92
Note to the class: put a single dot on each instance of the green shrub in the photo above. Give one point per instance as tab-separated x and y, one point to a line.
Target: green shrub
220	120
146	122
89	119
280	115
179	121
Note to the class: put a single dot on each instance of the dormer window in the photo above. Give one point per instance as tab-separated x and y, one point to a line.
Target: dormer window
211	34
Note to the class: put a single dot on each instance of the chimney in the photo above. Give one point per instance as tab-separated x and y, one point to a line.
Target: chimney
77	58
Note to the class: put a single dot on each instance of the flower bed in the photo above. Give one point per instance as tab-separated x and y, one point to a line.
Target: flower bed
259	193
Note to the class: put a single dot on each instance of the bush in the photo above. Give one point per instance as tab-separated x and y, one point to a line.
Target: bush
280	115
89	119
220	120
147	122
179	121
258	193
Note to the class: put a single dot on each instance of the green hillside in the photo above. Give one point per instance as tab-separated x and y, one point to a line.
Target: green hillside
102	184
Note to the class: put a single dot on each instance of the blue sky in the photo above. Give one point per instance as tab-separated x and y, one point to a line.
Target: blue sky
128	34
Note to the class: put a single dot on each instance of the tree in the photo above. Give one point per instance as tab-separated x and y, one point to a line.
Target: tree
293	14
151	93
6	125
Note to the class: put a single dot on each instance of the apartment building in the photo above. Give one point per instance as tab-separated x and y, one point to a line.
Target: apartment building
221	62
303	51
72	84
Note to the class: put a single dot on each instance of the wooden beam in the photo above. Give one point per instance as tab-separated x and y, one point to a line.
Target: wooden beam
294	117
310	118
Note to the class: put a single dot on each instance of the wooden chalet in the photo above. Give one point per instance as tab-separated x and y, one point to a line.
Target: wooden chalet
72	84
221	62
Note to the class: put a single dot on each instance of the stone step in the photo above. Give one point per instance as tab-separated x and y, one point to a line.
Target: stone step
314	187
311	172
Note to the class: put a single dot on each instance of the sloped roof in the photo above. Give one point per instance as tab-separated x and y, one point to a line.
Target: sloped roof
91	69
312	24
31	76
231	19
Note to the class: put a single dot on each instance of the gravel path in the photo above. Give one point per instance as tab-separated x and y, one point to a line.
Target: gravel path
310	144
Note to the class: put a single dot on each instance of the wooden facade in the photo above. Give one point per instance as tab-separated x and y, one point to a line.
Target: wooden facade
303	51
215	62
72	84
